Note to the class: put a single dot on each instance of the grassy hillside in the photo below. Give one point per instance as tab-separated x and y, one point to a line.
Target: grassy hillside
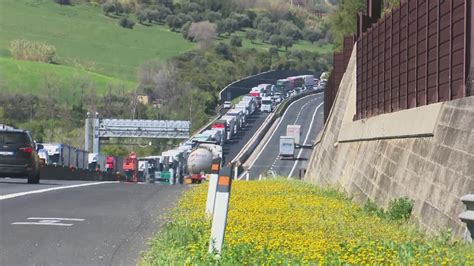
67	82
86	38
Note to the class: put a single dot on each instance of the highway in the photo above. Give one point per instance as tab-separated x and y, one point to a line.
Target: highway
232	148
307	112
79	223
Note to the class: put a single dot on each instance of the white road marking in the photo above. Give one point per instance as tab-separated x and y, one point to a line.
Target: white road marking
53	218
41	223
306	138
274	131
49	221
20	194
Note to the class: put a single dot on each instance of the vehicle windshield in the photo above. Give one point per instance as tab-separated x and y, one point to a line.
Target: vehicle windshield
18	138
266	102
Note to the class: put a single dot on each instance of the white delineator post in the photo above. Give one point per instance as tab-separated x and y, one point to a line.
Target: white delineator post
211	193
221	208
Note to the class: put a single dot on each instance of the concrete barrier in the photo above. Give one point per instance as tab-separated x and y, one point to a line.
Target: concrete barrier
51	172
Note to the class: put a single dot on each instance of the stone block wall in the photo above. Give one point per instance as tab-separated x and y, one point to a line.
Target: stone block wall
435	171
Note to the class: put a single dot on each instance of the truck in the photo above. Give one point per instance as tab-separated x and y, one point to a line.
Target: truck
287	147
231	126
255	92
267	104
215	135
283	86
239	117
199	161
220	125
265	89
245	106
297	83
308	81
295	132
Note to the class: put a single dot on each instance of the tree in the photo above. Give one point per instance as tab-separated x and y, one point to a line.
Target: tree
118	8
289	29
236	41
204	33
312	35
63	2
185	31
287	42
213	16
223	50
251	35
142	16
276	40
343	20
174	22
126	23
152	15
163	13
230	25
108	7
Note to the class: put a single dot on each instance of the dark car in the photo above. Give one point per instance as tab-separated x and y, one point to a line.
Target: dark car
18	157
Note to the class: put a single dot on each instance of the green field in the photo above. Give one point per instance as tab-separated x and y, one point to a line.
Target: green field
66	82
85	38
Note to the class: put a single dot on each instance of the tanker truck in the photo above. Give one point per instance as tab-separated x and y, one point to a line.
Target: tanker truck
200	160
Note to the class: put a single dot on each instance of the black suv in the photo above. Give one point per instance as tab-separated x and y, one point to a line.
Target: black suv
18	157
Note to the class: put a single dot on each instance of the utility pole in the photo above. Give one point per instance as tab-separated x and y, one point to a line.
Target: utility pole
87	132
96	139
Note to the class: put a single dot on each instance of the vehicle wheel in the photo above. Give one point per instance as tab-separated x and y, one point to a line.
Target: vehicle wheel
33	179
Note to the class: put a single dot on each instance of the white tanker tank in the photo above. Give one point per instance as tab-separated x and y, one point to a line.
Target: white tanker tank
200	159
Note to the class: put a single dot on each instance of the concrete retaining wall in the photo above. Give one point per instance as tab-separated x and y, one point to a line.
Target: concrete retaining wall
432	163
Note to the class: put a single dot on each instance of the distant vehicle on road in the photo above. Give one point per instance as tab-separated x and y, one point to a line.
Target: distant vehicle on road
277	97
18	156
44	157
267	104
227	105
287	147
295	132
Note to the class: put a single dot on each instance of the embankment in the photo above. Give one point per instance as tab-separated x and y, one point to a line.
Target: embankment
426	154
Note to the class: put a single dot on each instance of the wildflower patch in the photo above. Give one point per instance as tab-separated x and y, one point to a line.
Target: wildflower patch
292	222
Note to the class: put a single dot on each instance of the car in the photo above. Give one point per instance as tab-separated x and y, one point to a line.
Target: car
18	156
227	105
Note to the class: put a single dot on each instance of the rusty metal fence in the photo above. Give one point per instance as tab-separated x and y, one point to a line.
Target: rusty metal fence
340	61
418	54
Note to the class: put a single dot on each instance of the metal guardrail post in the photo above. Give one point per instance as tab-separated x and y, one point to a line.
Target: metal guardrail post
221	209
467	216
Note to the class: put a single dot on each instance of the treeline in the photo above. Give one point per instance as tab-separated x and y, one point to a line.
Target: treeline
274	22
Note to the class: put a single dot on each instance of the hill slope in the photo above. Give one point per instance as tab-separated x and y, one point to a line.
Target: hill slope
85	37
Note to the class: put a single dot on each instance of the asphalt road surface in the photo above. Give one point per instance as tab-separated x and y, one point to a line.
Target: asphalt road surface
307	112
79	223
232	147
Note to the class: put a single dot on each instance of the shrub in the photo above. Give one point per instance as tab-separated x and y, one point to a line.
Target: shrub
126	23
400	209
236	41
63	2
33	51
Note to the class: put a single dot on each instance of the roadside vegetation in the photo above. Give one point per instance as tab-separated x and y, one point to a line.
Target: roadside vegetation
63	58
294	223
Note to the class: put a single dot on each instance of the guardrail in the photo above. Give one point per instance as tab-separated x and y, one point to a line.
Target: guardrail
242	157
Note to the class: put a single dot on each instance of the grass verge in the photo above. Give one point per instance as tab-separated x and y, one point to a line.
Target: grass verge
291	222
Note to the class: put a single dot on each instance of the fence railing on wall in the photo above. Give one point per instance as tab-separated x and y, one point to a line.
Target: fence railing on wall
418	54
340	61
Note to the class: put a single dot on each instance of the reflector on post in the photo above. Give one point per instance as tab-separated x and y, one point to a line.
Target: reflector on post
211	193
